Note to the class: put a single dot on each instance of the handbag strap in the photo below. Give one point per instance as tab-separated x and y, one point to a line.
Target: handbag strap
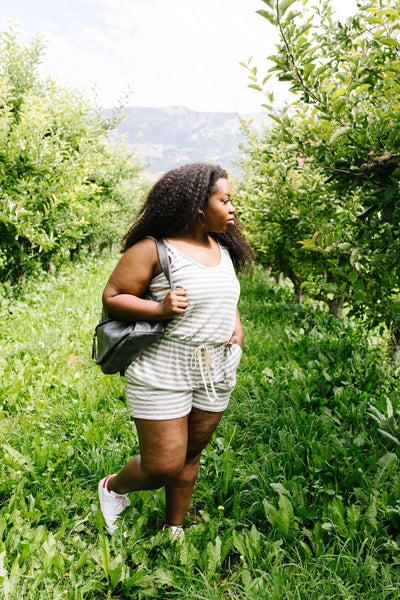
164	260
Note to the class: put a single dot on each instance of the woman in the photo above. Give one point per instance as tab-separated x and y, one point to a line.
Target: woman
178	389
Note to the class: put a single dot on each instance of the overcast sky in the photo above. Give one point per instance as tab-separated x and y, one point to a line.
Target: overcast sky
172	52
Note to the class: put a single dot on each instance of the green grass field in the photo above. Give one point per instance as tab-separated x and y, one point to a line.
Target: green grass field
299	492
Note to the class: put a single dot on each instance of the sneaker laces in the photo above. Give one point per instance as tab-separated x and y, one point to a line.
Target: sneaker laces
176	530
119	503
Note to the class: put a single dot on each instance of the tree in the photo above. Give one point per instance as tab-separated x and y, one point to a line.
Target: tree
63	186
344	122
281	200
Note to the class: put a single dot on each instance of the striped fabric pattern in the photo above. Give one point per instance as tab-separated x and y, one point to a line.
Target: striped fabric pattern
213	294
166	380
166	384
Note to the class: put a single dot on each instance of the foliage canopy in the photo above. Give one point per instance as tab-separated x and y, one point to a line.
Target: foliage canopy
63	187
340	138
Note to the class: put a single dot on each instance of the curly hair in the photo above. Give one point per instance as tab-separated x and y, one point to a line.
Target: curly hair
174	201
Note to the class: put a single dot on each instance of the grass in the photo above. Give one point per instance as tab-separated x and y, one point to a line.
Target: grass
299	491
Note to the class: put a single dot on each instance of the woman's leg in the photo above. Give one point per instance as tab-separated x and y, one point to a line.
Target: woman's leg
178	492
163	448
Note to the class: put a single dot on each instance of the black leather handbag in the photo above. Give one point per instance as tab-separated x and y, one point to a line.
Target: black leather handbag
117	343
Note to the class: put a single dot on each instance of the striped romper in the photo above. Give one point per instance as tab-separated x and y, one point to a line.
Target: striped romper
192	365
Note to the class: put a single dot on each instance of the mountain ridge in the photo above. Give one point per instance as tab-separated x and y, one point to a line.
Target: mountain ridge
170	136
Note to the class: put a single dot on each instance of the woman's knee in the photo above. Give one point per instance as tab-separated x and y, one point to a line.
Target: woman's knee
162	446
196	444
193	453
200	431
162	471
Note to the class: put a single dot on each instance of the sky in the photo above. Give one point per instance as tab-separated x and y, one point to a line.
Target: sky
164	52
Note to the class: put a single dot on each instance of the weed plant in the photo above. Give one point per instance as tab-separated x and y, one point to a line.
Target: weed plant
298	495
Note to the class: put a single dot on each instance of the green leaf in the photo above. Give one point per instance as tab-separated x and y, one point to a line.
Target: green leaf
386	464
270	17
276	118
307	246
254	86
104	553
284	5
387	41
391	12
340	133
239	543
82	559
116	566
336	513
314	237
345	246
374	20
307	550
353	514
339	92
363	87
353	276
16	456
308	69
270	512
164	577
3	570
213	557
379	33
328	88
389	436
370	515
285	516
279	488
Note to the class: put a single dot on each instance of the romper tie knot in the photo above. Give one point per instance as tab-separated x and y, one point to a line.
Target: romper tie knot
198	354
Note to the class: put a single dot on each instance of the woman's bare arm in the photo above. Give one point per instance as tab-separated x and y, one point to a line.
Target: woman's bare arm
128	283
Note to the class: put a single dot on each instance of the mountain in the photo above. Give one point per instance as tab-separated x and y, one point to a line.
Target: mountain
171	136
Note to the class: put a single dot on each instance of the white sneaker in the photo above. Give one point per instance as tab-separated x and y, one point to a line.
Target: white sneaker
176	531
111	504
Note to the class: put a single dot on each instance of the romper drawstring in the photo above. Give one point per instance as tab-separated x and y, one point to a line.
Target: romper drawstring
197	358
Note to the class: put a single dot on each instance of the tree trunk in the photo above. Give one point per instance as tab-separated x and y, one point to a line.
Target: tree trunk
335	307
73	252
395	341
298	292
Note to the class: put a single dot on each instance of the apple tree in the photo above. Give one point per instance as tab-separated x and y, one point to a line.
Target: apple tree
344	125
